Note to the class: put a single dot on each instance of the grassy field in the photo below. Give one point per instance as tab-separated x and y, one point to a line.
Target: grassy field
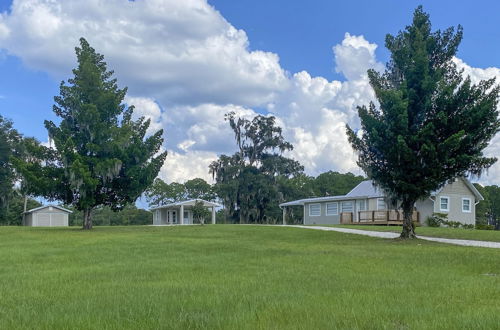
460	233
240	277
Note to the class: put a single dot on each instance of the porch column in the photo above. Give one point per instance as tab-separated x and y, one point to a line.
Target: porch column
213	215
284	215
182	215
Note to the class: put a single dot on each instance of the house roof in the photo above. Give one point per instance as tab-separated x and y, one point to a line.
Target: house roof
364	189
46	206
189	202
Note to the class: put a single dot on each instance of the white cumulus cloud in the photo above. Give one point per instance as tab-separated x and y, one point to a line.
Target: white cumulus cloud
186	66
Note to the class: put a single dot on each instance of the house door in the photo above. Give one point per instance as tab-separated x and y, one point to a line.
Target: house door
186	217
361	205
174	217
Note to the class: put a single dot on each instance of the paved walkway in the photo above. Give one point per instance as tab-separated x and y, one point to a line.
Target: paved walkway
384	234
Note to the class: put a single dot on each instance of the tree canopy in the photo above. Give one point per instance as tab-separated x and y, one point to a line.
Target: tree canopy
161	193
247	181
101	155
431	124
10	140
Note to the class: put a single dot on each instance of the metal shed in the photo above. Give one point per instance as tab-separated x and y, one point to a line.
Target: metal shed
46	216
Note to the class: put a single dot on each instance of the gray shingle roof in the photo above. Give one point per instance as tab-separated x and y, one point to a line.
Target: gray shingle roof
365	188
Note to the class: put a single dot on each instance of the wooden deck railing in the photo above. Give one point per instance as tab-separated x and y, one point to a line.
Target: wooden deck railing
377	217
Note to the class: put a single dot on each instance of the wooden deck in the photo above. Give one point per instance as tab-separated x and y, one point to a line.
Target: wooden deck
384	217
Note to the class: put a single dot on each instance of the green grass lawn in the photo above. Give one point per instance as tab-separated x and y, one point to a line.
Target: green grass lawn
240	277
460	233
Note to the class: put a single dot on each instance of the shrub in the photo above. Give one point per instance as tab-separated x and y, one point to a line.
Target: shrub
468	226
485	227
452	224
436	219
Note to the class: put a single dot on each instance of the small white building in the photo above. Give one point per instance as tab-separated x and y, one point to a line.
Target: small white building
47	216
180	212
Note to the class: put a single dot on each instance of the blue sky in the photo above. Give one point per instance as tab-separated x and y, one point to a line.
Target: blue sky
302	32
208	59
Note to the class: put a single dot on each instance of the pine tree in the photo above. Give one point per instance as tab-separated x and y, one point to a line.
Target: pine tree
431	124
101	155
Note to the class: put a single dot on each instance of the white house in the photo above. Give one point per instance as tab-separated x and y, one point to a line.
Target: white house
366	204
46	216
180	212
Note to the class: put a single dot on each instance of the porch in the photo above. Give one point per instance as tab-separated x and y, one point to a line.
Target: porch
380	217
180	212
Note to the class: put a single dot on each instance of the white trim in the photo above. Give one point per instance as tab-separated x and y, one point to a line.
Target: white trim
447	204
358	205
352	206
470	205
337	208
45	206
312	215
190	202
385	204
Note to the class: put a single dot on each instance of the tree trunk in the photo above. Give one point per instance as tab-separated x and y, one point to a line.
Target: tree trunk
242	218
87	219
408	227
24	209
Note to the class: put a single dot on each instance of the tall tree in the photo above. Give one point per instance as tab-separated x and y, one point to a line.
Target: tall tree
247	181
431	124
101	155
10	142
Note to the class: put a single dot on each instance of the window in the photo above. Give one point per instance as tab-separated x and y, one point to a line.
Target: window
381	204
361	205
444	203
332	208
314	210
466	208
346	206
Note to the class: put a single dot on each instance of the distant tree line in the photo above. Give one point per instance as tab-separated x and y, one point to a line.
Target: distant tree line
488	211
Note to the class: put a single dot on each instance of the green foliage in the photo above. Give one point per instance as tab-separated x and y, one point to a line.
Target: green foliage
200	212
431	124
248	182
105	216
101	156
436	219
161	193
488	210
439	219
485	227
10	141
13	213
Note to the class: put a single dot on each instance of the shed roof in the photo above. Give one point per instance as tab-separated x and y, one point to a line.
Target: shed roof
46	206
189	202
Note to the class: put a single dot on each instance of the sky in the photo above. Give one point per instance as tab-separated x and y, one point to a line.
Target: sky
187	63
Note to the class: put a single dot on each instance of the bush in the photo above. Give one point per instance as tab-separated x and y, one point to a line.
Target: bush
436	219
485	227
